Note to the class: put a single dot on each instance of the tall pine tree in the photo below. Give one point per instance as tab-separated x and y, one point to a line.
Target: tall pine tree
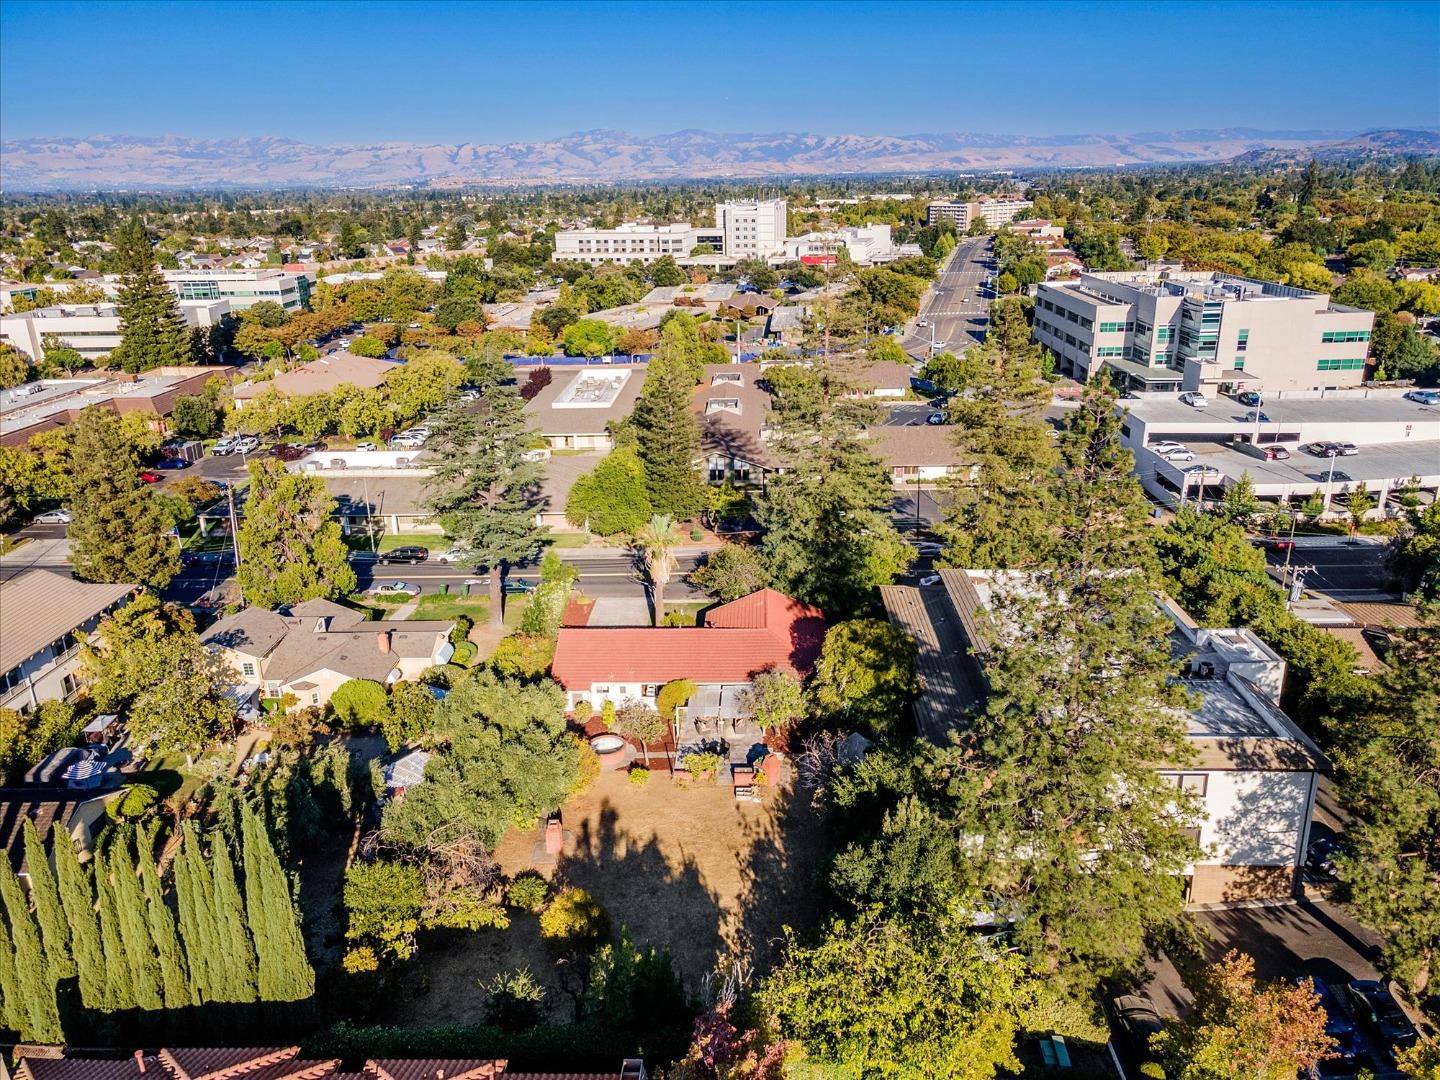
285	973
236	948
54	930
77	898
668	441
38	1016
175	984
152	330
120	532
484	488
134	928
119	984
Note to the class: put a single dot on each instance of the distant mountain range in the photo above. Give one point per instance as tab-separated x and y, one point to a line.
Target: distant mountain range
116	161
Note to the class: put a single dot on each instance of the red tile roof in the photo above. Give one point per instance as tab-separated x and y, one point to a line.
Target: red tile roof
765	629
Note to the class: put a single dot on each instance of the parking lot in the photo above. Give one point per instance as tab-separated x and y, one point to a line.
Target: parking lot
1288	941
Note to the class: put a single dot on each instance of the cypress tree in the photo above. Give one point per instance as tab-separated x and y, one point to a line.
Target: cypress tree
668	441
54	932
175	983
11	1010
152	330
78	900
236	950
134	929
119	991
194	888
38	1014
285	972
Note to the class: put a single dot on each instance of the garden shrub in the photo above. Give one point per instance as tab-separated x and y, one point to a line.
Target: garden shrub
359	703
528	892
574	920
696	535
516	1000
583	710
678	618
587	769
137	801
702	766
464	654
607	713
639	774
673	694
523	656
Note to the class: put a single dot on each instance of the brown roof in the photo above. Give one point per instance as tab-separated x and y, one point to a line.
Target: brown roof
914	445
223	1062
326	373
39	607
885	376
78	1068
1400	616
45	807
562	420
436	1069
722	429
951	680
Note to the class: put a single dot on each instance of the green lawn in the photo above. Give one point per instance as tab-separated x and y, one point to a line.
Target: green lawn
568	540
432	541
173	779
10	543
438	606
690	608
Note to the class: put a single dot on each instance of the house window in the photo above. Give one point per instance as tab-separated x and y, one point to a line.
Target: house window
247	668
722	405
1195	783
600	689
315	699
649	690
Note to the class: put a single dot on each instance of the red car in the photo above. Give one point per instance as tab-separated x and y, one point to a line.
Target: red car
1276	544
151	477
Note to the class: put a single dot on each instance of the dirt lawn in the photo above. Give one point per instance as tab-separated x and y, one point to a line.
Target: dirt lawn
689	870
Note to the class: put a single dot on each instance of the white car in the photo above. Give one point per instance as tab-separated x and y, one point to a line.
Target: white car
922	322
1179	455
53	517
224	446
452	555
393	587
246	445
939	344
1164	447
1194	399
366	446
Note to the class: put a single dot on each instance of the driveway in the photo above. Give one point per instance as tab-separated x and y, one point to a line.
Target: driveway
1286	941
620	611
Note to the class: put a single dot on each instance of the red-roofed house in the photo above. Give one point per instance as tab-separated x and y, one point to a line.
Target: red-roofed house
737	641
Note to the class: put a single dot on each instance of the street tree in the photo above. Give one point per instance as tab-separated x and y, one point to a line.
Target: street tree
291	548
611	498
730	572
120	532
485	489
152	330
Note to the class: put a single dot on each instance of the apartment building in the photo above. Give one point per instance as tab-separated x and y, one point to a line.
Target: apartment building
1171	330
866	245
45	614
742	230
243	288
994	212
1253	772
92	330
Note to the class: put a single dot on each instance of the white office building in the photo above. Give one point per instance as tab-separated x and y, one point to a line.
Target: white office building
1189	330
243	288
866	245
993	211
741	231
92	330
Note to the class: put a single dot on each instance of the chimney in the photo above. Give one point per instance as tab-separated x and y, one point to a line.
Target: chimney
382	641
140	1060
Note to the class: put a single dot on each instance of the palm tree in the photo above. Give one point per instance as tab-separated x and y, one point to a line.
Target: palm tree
655	545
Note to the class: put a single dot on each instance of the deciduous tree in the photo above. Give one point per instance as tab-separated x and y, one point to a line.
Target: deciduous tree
611	498
290	547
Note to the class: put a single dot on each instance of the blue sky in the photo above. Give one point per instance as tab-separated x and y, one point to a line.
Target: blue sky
477	72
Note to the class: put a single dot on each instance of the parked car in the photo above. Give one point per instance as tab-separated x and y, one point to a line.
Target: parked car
406	442
366	446
928	548
207	558
1376	1008
288	451
1250	397
1137	1022
1324	449
517	585
224	446
1255	414
935	418
150	477
1320	857
453	555
1348	449
1337	1025
1182	454
393	587
1194	399
939	344
1424	397
410	555
930	579
169	464
1276	543
247	444
53	517
1166	445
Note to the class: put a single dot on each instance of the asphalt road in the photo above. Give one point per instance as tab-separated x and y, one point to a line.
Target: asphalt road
954	307
1345	569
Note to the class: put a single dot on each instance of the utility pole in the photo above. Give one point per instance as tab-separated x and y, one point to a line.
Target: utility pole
234	525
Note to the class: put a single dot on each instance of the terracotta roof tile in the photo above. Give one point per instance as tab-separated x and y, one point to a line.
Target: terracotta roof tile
436	1069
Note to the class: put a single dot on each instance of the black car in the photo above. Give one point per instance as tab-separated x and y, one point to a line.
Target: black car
1376	1008
207	558
1137	1022
1320	857
1250	397
1337	1025
407	555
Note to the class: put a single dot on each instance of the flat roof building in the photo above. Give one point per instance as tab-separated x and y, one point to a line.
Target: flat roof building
243	288
742	230
92	330
993	211
1172	330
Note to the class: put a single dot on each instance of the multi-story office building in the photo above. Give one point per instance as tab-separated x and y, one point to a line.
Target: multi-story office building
993	211
752	229
243	288
741	231
1187	330
634	243
92	330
